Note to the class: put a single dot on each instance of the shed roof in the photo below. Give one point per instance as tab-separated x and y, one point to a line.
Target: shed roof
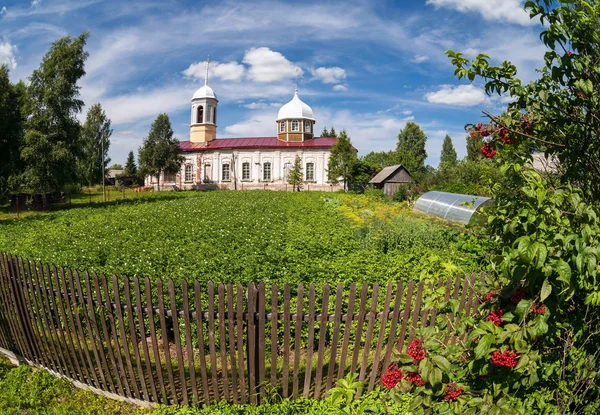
386	173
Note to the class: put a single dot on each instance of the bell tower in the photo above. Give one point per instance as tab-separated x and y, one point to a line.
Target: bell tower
203	127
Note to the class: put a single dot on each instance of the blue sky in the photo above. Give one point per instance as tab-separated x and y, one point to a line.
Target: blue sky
366	66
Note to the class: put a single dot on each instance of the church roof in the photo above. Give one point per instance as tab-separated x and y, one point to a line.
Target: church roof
295	109
250	143
204	92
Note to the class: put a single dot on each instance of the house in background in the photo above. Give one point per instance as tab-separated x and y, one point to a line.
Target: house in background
391	178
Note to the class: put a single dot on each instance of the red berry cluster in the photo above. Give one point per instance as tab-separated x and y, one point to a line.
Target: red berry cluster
517	295
487	151
490	296
507	359
496	317
538	309
484	131
392	376
415	378
526	124
415	350
452	392
503	134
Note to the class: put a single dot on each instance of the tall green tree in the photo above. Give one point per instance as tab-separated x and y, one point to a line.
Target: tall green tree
448	156
328	133
411	148
11	131
295	175
382	158
160	152
130	166
342	161
95	136
52	141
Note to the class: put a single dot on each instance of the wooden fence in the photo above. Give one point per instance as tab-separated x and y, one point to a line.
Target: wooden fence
190	344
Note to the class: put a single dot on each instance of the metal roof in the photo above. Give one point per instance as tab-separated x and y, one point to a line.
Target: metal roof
256	143
452	207
386	172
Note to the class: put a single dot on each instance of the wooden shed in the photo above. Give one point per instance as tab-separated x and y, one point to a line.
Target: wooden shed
391	178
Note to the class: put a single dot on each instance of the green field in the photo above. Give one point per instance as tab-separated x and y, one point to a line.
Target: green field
241	237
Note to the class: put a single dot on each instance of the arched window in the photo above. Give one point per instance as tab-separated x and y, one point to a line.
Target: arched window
245	170
214	115
307	126
208	113
267	171
189	173
282	127
310	172
225	176
286	169
295	125
200	115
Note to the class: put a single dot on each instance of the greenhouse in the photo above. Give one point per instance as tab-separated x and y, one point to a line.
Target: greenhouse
452	207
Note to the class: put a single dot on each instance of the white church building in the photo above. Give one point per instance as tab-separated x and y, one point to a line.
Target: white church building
250	162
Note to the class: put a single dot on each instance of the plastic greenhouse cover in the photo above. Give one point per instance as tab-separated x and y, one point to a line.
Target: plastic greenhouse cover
453	207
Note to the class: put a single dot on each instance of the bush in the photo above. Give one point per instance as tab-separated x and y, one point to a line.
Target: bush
375	193
401	194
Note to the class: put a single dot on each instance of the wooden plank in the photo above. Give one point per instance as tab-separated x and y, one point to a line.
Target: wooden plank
5	308
347	329
405	316
337	322
27	284
286	341
240	341
92	328
261	337
188	342
371	316
231	330
297	340
322	337
53	308
133	337
154	341
25	323
165	340
382	329
450	316
178	349
435	310
416	311
274	342
222	342
464	303
124	342
311	339
9	306
359	327
393	326
200	333
211	341
252	352
147	359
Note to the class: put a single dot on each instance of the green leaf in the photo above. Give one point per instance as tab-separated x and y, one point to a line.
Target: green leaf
435	377
546	290
404	358
425	368
523	361
415	403
522	308
483	346
442	363
564	271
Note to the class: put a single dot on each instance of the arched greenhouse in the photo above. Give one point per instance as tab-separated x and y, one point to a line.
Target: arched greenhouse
452	207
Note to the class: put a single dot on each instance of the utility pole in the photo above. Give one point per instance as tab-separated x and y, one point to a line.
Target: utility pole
103	177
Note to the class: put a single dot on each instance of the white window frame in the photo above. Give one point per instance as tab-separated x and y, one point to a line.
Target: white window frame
188	173
282	127
246	172
168	176
310	178
295	125
226	168
267	168
207	170
307	126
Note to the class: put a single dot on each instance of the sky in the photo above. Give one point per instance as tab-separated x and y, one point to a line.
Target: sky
364	66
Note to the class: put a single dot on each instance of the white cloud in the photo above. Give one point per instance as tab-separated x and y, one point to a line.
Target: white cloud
36	3
462	96
230	71
407	112
331	75
269	66
262	105
420	58
3	11
340	88
7	55
510	11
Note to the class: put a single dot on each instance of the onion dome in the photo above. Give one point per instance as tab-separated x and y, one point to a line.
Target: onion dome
204	92
295	109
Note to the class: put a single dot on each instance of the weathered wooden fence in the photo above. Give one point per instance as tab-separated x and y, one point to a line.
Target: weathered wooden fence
191	344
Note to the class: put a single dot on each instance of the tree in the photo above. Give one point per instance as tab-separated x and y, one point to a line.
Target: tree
130	167
328	133
411	148
116	166
295	175
342	160
448	156
160	152
382	158
52	141
332	132
95	136
11	127
364	171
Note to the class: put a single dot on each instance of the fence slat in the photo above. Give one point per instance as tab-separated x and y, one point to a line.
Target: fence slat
222	342
52	307
347	329
393	326
382	329
311	339
25	323
274	341
200	334
286	341
450	316
405	316
74	370
165	340
71	312
252	337
143	339
154	340
211	341
11	310
297	339
27	284
231	331
133	336
337	317
261	337
369	337
188	341
5	338
239	314
359	327
416	311
322	338
178	349
434	310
